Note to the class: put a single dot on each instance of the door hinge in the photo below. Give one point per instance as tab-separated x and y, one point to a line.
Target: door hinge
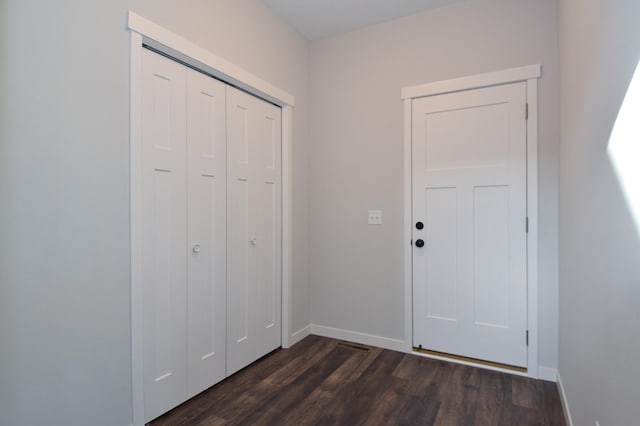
526	111
527	337
526	225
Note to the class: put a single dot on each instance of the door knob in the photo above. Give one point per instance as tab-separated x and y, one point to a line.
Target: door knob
419	225
419	243
196	248
253	241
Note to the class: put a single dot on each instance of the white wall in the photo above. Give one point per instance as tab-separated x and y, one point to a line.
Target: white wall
64	188
356	150
599	244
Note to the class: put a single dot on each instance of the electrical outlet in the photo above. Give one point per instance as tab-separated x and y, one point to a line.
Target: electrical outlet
375	217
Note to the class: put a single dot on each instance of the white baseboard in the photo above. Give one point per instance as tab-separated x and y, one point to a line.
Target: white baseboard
547	373
563	400
299	335
362	338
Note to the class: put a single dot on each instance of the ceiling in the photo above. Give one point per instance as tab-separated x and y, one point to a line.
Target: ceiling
318	19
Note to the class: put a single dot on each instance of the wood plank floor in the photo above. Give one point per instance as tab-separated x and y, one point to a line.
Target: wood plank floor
321	381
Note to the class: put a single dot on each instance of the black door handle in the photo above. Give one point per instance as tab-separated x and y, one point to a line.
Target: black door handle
419	225
419	243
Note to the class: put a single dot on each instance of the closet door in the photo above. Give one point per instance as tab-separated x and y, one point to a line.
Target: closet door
206	313
164	233
184	233
254	229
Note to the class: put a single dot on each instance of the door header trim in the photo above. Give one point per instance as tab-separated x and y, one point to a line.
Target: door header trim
511	75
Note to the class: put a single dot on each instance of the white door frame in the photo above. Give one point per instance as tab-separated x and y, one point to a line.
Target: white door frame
144	32
529	75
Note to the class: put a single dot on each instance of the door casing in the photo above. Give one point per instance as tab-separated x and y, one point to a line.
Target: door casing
144	32
530	75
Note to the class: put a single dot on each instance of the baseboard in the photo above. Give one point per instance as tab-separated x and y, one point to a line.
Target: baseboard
299	335
563	400
547	373
362	338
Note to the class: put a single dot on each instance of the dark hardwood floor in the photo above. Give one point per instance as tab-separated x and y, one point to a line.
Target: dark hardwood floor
322	381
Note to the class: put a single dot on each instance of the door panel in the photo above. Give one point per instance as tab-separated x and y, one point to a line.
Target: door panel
268	265
491	256
488	147
441	265
206	317
164	237
268	232
469	188
239	273
254	227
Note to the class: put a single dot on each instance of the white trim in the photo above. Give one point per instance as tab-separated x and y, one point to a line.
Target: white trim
564	401
287	222
356	337
135	176
473	82
408	225
529	74
180	48
146	32
532	236
547	373
299	335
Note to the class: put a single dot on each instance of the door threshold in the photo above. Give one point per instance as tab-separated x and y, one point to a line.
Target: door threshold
471	361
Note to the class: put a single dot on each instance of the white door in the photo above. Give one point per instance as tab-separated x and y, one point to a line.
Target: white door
254	229
183	232
164	233
206	299
469	194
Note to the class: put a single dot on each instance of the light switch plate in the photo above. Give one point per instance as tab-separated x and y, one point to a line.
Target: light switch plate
375	217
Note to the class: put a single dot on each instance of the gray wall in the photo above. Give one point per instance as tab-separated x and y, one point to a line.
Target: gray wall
64	188
599	243
356	148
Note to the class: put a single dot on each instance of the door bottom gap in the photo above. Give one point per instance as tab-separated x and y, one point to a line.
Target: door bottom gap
471	360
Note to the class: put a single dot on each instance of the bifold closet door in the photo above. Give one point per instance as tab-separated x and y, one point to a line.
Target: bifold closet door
164	233
211	231
183	232
254	229
207	223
